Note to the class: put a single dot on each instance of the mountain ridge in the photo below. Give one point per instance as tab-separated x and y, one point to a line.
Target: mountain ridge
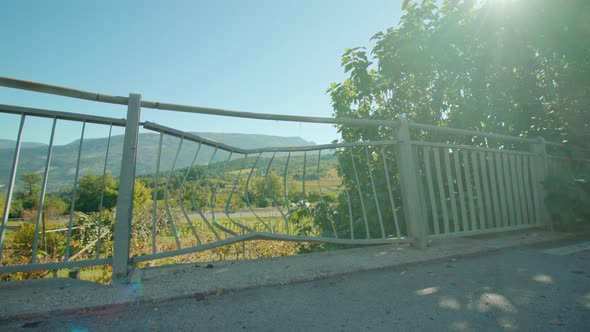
64	157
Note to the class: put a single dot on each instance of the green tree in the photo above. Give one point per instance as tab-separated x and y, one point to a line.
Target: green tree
518	68
89	193
29	196
514	67
267	191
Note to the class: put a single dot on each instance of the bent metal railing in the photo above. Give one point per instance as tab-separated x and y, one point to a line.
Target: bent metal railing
342	226
406	189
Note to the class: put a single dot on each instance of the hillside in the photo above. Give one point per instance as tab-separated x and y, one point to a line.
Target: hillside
63	162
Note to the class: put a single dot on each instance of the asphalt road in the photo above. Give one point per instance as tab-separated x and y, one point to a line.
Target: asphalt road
513	290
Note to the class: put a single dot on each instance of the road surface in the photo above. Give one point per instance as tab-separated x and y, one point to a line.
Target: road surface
526	289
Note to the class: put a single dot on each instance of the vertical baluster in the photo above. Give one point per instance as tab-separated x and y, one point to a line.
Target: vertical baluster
247	195
375	193
102	187
350	217
234	226
390	192
199	209
461	188
166	205
432	196
358	186
285	192
441	190
11	182
478	191
515	192
43	188
508	183
451	189
329	216
271	188
522	191
181	197
495	196
528	190
501	192
212	201
73	203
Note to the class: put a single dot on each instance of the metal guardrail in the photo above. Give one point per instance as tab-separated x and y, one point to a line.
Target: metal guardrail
398	190
39	222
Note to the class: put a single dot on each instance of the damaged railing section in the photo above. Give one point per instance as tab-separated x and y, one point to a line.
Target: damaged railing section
310	193
45	240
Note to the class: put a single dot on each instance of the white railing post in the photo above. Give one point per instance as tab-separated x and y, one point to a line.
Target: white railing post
410	190
124	212
539	168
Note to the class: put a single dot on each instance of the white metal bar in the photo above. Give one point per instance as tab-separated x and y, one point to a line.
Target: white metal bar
487	194
430	184
350	217
74	191
502	193
360	193
467	157
166	205
272	193
451	188
441	190
265	236
535	189
247	195
328	214
380	218
303	178
43	113
102	186
285	192
390	192
515	192
522	190
199	210
10	188
155	194
528	190
43	189
181	196
243	228
214	193
462	202
465	132
508	185
494	186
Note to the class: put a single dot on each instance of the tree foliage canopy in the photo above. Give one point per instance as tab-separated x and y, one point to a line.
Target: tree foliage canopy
513	67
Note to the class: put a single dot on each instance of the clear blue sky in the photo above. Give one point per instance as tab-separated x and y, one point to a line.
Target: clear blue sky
258	56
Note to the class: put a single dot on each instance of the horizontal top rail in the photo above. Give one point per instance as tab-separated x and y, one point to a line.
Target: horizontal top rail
465	132
268	116
93	96
469	147
61	115
105	98
61	91
198	139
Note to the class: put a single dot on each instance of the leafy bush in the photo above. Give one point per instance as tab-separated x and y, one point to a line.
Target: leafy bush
568	195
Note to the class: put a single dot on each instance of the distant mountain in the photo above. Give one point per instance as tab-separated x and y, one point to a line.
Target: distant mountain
64	157
9	144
